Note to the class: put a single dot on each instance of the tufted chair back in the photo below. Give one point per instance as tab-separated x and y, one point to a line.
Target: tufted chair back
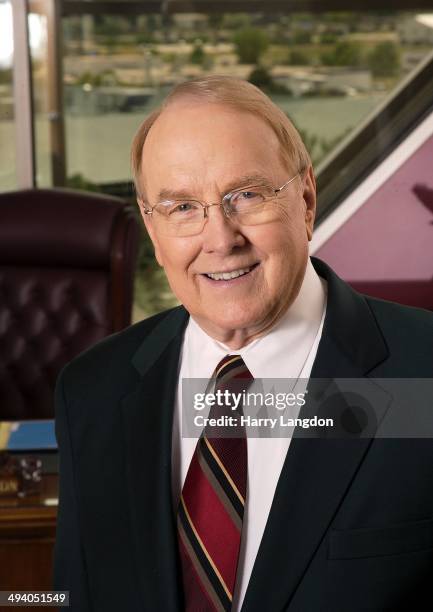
67	263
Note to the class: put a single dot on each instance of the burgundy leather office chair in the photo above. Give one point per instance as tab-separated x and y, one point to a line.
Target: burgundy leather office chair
67	263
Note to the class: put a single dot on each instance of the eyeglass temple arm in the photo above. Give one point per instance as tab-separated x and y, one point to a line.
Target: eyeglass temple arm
285	184
143	205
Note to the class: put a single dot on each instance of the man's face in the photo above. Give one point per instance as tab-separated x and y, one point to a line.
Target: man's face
205	150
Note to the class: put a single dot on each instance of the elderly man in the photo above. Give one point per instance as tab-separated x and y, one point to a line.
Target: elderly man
150	520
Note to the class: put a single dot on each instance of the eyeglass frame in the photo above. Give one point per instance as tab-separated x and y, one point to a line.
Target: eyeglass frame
222	203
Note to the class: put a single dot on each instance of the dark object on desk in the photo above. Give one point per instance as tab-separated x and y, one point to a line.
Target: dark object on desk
67	263
20	476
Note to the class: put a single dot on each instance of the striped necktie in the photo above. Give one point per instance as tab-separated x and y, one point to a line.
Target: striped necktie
211	506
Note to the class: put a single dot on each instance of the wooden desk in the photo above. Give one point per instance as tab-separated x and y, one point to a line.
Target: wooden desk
27	534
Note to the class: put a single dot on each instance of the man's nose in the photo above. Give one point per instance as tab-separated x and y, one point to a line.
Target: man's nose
220	233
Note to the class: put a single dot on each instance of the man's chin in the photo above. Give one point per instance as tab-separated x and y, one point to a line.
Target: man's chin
236	327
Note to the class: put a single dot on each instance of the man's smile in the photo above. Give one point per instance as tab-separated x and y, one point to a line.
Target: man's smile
230	275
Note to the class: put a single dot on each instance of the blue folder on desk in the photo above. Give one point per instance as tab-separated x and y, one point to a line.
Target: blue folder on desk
27	435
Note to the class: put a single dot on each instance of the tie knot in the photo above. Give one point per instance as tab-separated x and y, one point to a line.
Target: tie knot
231	367
231	380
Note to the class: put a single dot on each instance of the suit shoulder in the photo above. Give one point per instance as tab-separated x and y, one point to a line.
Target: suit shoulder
390	314
112	352
407	331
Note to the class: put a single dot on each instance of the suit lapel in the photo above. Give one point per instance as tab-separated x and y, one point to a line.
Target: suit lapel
147	416
317	472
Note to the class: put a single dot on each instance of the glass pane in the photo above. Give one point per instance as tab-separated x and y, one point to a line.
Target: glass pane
8	179
328	72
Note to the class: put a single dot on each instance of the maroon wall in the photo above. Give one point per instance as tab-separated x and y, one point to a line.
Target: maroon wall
386	248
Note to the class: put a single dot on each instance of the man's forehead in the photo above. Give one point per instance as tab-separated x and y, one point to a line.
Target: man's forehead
199	121
210	141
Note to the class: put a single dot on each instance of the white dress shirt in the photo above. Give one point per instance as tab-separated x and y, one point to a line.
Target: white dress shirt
288	350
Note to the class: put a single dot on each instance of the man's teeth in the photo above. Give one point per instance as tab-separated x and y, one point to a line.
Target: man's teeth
228	275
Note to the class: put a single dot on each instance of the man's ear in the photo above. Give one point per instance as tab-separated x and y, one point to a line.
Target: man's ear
147	220
309	195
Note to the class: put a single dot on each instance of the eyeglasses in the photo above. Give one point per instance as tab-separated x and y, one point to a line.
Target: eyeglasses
187	217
